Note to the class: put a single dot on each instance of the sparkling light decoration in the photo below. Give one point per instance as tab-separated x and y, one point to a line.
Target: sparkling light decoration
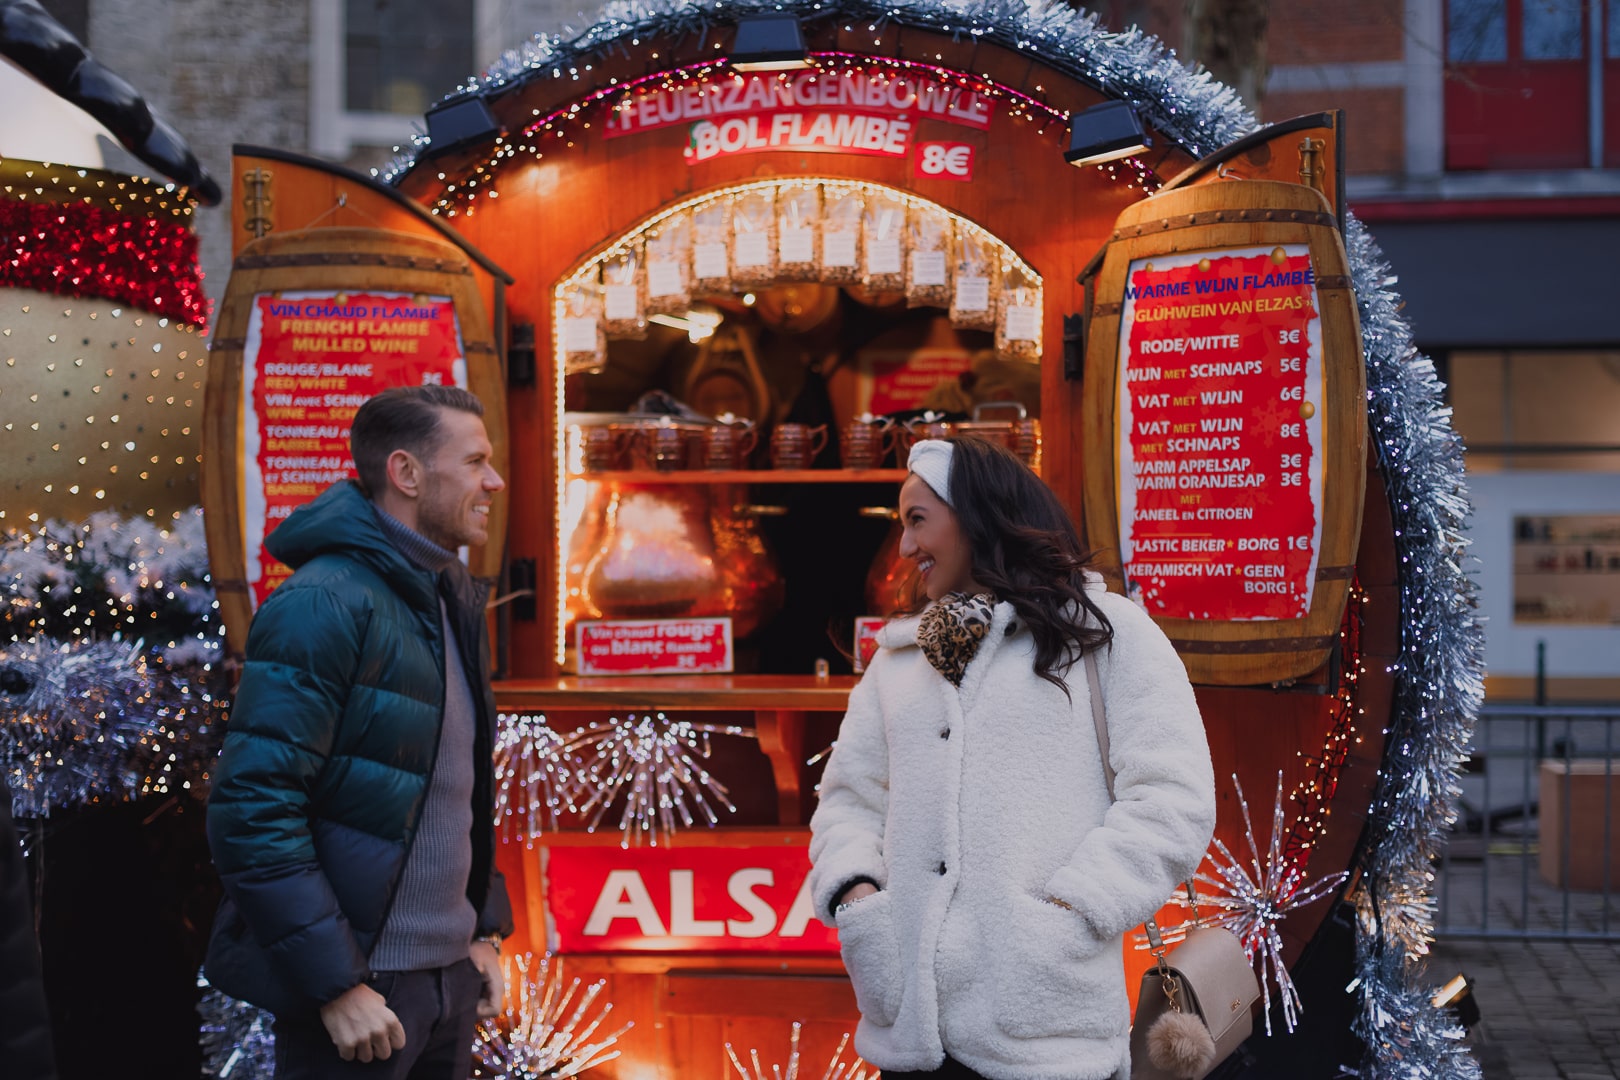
75	723
108	686
530	775
85	250
549	1029
655	764
836	1069
1253	905
237	1041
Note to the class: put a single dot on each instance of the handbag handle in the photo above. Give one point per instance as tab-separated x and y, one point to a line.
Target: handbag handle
1099	716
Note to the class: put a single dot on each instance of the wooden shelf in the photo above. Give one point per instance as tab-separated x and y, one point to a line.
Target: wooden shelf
751	476
674	693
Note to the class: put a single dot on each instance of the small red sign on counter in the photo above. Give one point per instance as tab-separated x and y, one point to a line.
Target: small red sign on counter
866	642
685	899
654	646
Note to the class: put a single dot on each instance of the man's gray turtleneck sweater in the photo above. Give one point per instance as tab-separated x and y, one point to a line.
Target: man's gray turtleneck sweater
432	922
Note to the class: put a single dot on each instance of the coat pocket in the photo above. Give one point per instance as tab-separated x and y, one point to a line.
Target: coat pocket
1056	980
871	953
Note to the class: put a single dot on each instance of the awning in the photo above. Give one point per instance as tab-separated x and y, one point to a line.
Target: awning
1508	284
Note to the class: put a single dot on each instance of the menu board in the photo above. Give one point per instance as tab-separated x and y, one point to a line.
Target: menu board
1220	436
310	360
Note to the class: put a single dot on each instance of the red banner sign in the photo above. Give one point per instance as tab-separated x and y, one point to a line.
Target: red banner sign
1220	433
654	646
685	899
848	90
802	132
904	380
311	359
943	161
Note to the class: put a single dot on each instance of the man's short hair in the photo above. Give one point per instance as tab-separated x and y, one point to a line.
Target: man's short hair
402	418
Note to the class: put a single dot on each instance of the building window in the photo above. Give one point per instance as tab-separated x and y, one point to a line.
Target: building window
401	56
1518	89
1537	410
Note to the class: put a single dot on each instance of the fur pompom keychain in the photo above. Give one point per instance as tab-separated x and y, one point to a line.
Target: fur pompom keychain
1181	1045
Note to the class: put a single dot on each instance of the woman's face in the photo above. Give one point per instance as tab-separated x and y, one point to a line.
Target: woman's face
932	537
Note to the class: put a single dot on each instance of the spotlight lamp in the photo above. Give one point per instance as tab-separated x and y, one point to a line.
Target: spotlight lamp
1105	132
769	43
459	122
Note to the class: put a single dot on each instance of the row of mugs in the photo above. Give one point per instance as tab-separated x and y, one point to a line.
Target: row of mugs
668	446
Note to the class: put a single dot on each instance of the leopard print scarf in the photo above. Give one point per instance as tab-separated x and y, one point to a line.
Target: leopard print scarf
949	632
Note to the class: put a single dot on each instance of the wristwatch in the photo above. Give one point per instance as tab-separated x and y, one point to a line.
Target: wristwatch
492	940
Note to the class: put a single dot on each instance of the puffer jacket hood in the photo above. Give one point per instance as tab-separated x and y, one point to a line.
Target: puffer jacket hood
342	521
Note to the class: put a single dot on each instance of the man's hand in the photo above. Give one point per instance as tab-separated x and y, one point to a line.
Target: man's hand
362	1025
488	963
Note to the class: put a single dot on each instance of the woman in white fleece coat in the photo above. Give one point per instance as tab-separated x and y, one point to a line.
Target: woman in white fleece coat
965	847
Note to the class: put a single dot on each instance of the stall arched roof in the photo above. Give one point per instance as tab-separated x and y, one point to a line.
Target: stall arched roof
1191	107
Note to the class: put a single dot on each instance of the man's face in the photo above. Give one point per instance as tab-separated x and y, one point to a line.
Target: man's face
458	483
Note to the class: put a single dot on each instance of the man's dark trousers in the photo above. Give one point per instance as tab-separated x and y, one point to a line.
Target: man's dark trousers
437	1008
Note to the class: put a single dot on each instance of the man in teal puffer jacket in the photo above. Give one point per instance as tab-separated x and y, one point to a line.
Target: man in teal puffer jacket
351	816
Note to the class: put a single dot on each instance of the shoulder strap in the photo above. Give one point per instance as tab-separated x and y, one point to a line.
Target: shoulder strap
1099	716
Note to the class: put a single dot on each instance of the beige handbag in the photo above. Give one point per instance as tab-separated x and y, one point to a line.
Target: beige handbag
1196	1006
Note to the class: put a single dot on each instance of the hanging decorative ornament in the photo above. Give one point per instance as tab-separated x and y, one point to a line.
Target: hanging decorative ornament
655	763
549	1028
530	773
237	1040
1253	905
836	1069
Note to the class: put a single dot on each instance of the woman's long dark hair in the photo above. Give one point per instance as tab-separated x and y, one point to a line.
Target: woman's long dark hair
1026	551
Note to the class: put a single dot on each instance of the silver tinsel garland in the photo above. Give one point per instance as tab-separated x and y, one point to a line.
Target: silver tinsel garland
1190	106
87	710
237	1040
1439	684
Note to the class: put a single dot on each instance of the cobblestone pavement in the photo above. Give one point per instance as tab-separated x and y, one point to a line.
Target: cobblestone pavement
1549	1010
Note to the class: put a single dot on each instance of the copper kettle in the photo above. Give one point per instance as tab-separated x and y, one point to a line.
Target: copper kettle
655	556
751	589
891	583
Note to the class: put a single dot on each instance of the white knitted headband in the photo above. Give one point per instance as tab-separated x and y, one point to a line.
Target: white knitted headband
931	460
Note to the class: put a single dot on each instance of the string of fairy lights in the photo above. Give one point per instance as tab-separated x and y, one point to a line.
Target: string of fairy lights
564	125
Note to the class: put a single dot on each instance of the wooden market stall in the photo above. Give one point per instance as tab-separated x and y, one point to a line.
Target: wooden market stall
890	229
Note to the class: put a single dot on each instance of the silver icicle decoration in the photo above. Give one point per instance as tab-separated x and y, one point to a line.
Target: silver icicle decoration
530	777
1253	905
551	1027
836	1069
655	763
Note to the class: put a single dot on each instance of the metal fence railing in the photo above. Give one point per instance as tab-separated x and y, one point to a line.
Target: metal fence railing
1535	852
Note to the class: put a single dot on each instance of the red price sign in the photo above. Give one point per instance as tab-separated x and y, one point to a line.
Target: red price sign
1220	433
943	161
866	642
654	646
311	359
683	899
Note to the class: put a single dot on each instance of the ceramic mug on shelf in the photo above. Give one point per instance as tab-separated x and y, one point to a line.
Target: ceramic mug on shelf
863	444
795	446
727	446
668	446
